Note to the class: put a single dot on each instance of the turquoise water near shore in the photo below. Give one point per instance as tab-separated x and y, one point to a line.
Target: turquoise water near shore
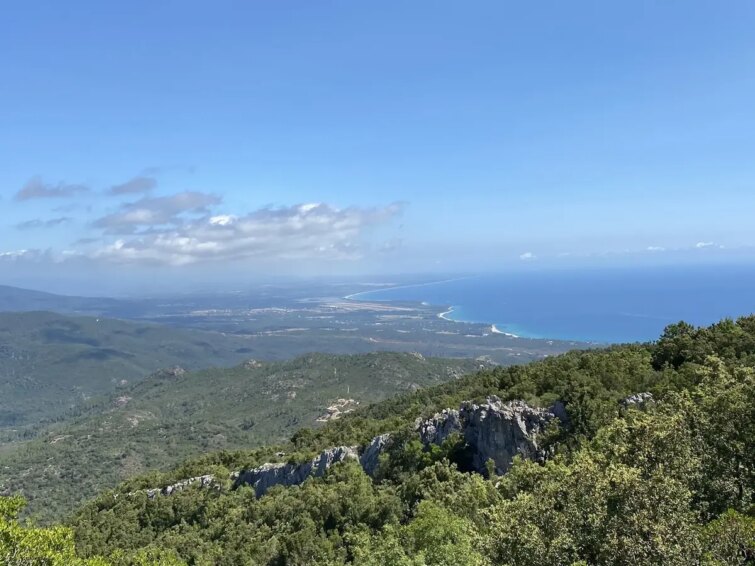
611	305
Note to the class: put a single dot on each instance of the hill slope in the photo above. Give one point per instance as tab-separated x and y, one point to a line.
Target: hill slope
15	299
663	482
50	362
173	415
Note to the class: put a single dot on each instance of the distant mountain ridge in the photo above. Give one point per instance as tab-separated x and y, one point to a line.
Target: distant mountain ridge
16	299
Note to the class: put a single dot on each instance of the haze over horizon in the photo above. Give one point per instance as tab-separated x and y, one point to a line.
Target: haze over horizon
250	140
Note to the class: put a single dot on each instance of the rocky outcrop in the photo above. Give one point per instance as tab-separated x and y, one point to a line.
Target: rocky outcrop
500	431
638	399
371	454
494	431
269	475
438	427
199	481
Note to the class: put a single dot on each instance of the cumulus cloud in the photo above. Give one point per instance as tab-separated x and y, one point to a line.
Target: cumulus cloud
527	256
138	185
36	188
701	245
18	255
38	223
300	232
156	211
656	249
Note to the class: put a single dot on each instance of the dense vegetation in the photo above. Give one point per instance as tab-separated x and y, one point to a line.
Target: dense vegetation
164	419
51	362
668	482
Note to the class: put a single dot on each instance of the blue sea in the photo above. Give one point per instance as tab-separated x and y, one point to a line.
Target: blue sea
609	305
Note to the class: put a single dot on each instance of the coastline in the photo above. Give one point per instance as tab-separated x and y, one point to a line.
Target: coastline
448	313
445	315
391	288
494	330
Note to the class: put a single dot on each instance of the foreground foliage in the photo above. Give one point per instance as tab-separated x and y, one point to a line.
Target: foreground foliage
28	546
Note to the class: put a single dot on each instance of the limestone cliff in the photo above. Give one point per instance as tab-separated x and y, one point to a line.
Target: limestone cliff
493	430
269	475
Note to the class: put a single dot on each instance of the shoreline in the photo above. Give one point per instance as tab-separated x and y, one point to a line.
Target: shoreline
444	315
494	330
391	288
447	314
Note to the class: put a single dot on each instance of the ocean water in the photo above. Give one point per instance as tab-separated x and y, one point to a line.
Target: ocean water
609	305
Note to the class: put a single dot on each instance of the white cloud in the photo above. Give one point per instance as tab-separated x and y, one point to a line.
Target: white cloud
222	220
32	255
527	256
656	249
701	245
305	231
14	254
157	211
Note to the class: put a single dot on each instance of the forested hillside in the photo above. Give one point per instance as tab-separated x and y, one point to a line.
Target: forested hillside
665	478
174	414
51	362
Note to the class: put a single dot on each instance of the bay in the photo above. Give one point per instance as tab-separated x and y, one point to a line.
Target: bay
596	305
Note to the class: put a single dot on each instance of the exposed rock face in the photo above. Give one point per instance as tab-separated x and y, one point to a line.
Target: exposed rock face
371	455
269	475
438	427
499	431
200	481
638	399
493	431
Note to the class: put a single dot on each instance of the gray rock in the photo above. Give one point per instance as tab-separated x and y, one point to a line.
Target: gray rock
200	481
371	455
638	399
269	475
500	431
559	409
438	427
494	430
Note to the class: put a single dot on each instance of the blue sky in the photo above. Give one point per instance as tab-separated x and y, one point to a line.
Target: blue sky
433	136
